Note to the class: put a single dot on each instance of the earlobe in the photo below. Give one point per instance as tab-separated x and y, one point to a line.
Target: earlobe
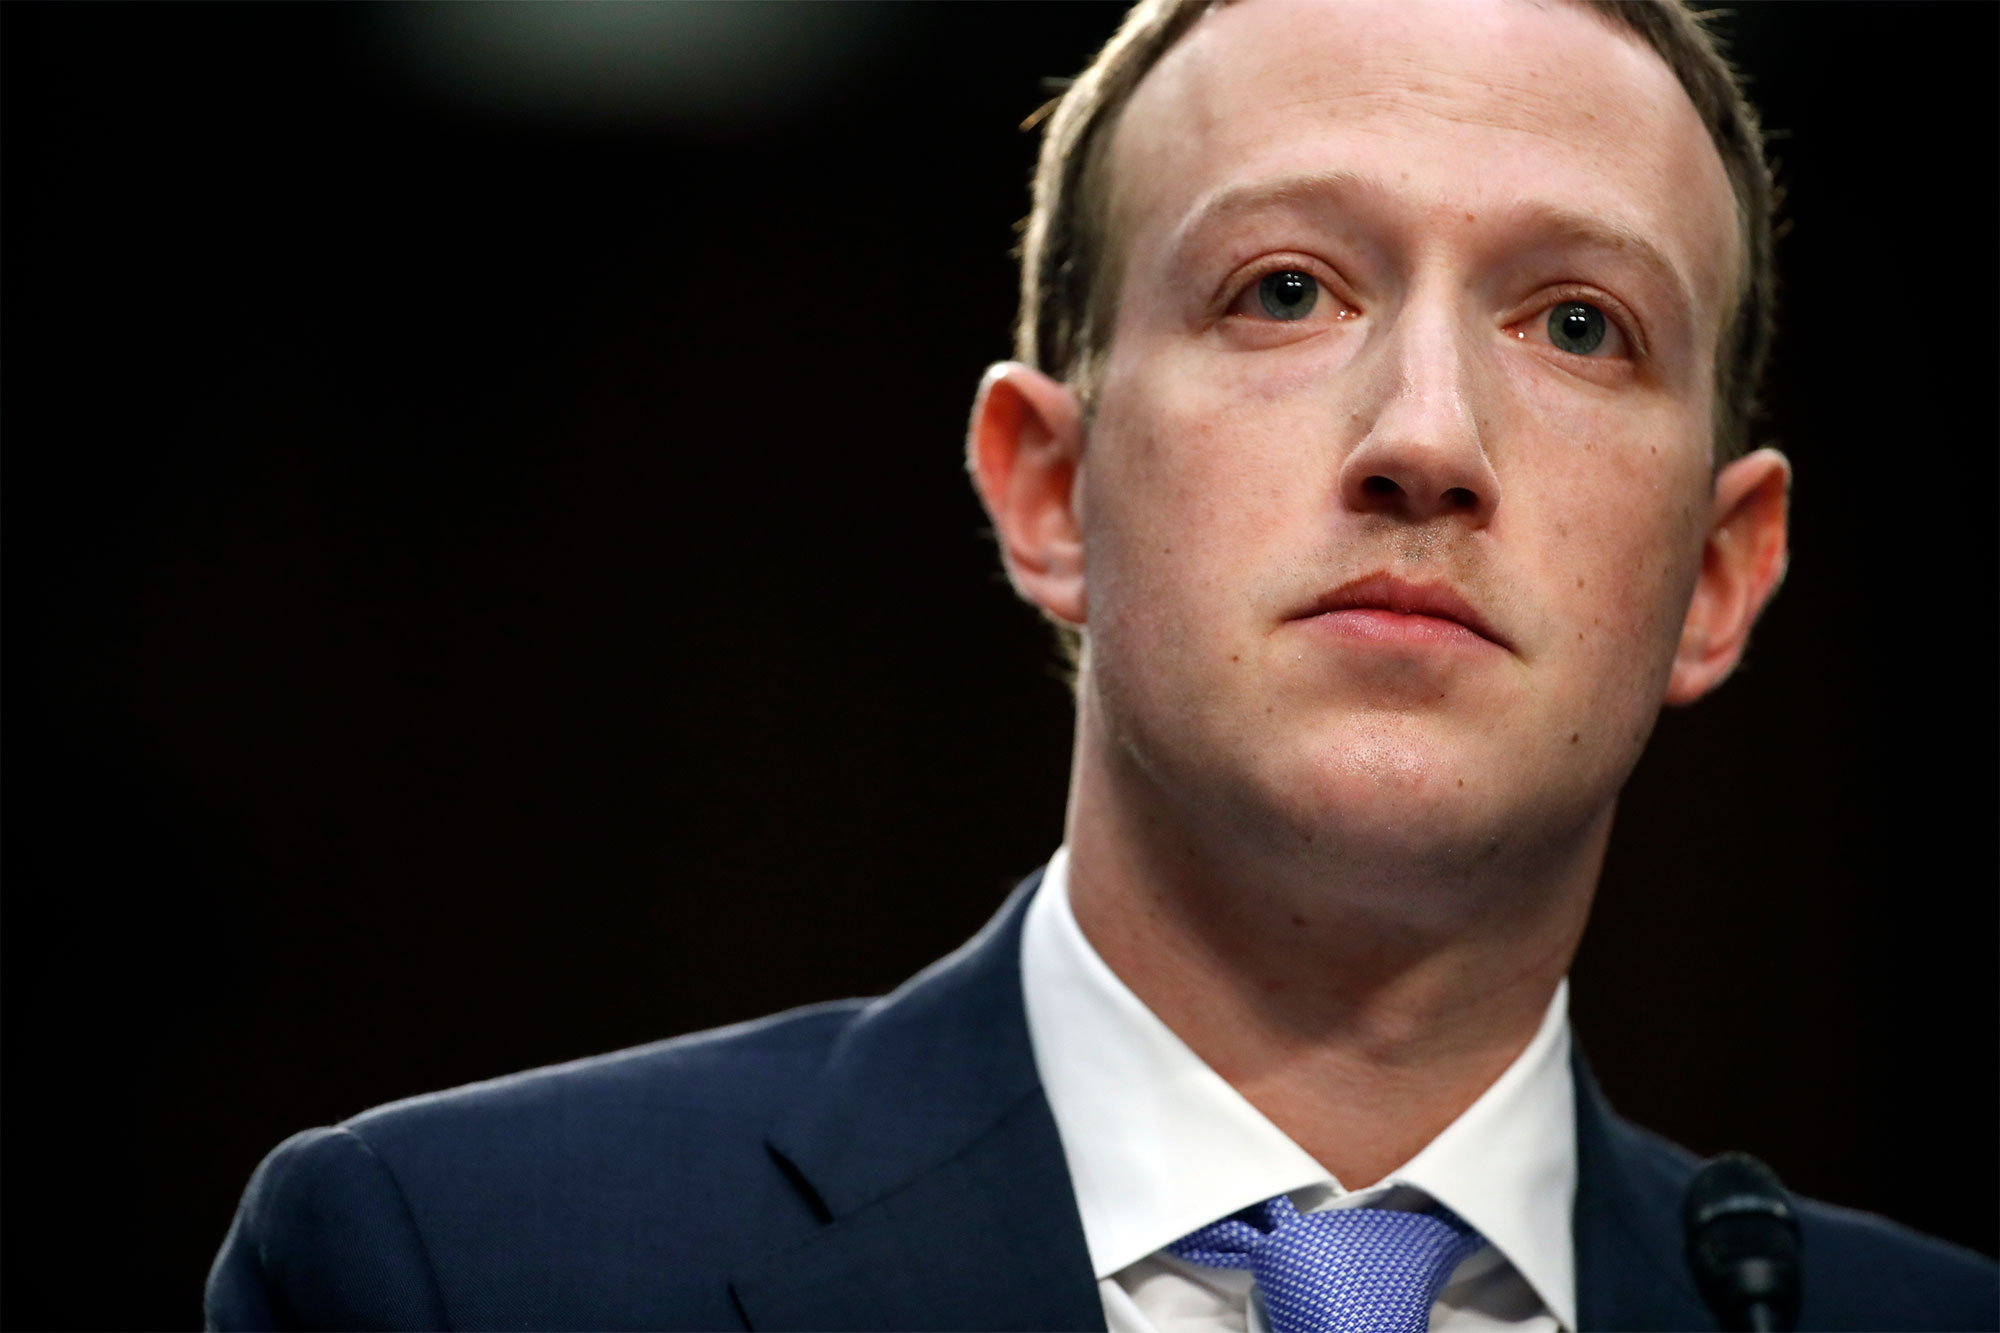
1742	563
1023	450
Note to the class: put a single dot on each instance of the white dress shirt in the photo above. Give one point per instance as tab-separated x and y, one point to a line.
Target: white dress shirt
1159	1144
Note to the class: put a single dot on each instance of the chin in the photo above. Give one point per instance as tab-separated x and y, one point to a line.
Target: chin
1396	799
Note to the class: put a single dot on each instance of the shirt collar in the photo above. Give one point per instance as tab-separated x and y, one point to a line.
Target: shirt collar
1158	1143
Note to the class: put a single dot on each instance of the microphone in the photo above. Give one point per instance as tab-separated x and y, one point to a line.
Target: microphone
1743	1244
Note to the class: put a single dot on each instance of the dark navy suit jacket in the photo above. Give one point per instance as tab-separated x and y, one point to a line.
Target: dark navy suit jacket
865	1165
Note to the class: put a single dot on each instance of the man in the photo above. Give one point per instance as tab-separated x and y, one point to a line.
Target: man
1379	439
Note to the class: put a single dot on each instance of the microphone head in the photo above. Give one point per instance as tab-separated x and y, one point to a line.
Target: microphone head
1743	1243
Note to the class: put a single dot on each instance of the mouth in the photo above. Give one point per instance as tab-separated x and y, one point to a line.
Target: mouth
1383	607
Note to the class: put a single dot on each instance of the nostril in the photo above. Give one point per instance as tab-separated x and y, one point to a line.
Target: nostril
1380	485
1460	498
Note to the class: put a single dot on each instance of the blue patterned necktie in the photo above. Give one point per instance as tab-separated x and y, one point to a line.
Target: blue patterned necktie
1348	1270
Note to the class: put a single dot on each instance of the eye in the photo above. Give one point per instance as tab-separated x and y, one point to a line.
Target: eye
1577	327
1288	294
1280	301
1594	331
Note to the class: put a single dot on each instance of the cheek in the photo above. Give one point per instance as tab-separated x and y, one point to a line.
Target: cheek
1195	478
1624	502
1661	510
1194	487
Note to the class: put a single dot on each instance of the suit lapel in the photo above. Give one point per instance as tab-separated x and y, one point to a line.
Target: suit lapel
1630	1273
928	1145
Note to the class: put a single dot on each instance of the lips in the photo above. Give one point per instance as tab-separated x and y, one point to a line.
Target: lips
1379	600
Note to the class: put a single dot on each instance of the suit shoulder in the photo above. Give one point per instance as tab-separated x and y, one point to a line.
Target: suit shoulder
744	1071
506	1203
1866	1271
323	1236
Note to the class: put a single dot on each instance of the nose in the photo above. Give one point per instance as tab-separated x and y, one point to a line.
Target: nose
1421	456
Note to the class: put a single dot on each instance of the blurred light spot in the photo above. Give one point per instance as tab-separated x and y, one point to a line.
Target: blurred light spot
674	62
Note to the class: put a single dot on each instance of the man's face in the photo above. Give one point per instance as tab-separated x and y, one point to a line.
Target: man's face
1399	475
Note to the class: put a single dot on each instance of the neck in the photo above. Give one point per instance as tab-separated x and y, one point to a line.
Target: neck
1360	1004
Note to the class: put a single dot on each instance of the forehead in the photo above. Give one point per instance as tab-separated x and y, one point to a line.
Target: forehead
1455	108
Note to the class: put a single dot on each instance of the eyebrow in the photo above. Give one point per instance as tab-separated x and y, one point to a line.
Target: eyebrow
1548	223
1245	197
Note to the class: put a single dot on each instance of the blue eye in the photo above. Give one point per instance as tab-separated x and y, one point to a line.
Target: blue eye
1288	294
1576	327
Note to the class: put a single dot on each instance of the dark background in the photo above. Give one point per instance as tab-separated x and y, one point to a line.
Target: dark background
490	581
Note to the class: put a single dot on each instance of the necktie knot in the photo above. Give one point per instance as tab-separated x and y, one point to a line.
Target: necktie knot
1339	1271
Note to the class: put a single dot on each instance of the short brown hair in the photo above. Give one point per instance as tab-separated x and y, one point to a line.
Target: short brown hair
1069	293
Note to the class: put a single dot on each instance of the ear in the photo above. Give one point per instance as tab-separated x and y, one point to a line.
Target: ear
1022	449
1742	563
